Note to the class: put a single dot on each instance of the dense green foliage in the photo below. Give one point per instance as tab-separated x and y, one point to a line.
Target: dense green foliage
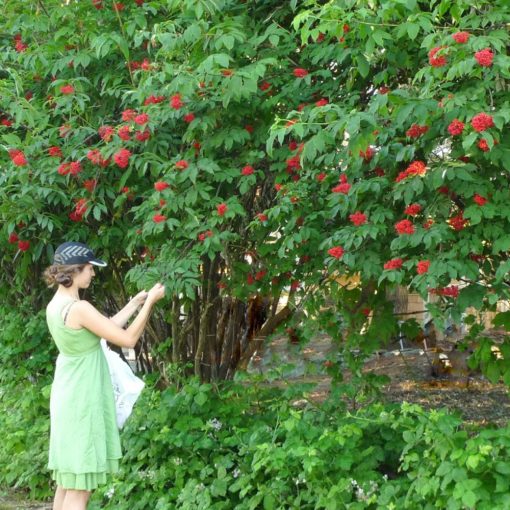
248	448
26	367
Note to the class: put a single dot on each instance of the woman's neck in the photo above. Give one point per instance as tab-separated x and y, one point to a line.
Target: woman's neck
70	292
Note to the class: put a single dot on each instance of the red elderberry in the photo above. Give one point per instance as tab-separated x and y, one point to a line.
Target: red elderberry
456	127
461	37
299	72
422	266
141	119
393	264
106	133
176	102
404	227
482	121
17	157
343	188
142	136
221	209
434	60
124	133
413	209
484	57
336	252
161	185
483	145
458	222
67	89
121	158
415	131
181	164
367	155
90	185
55	152
479	199
358	218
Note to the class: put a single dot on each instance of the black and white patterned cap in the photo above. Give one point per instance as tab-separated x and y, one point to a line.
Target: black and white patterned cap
73	252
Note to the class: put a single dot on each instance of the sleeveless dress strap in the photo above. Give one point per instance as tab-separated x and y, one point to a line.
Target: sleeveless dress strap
67	311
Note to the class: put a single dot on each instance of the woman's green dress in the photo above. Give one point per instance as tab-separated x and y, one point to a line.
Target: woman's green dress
84	439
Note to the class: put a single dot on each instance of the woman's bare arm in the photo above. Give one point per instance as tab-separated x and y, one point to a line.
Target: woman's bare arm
93	320
122	316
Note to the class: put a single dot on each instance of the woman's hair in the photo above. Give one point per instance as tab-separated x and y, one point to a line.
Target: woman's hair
61	274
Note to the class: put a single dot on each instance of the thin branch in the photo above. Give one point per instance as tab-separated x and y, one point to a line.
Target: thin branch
43	7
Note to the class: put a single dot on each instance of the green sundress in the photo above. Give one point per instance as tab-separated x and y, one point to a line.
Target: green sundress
84	439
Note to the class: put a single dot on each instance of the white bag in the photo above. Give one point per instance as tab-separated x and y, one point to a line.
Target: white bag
126	385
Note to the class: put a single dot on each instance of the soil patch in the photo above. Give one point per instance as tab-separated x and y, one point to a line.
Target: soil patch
475	398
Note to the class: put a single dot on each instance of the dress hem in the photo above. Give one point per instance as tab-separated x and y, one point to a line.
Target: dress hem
84	481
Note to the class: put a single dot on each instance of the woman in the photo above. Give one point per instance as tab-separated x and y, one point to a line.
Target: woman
84	439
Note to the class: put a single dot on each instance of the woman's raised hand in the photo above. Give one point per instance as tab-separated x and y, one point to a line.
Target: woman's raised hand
156	293
140	298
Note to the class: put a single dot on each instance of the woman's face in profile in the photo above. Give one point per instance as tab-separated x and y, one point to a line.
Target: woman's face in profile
85	277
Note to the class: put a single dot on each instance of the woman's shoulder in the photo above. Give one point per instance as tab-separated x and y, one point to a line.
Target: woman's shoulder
82	306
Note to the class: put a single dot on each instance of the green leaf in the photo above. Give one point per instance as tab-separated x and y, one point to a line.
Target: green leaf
379	36
412	30
502	319
502	467
473	461
493	372
122	44
269	502
469	498
200	398
222	59
502	271
501	244
96	211
363	66
469	140
228	41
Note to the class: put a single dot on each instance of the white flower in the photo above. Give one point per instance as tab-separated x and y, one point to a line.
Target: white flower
215	424
236	472
110	492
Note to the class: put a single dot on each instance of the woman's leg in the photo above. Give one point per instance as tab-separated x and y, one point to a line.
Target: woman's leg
76	500
58	501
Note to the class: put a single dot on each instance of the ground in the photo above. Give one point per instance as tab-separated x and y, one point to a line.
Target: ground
411	380
10	501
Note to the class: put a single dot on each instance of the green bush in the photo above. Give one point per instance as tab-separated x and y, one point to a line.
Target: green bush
248	447
453	470
26	365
